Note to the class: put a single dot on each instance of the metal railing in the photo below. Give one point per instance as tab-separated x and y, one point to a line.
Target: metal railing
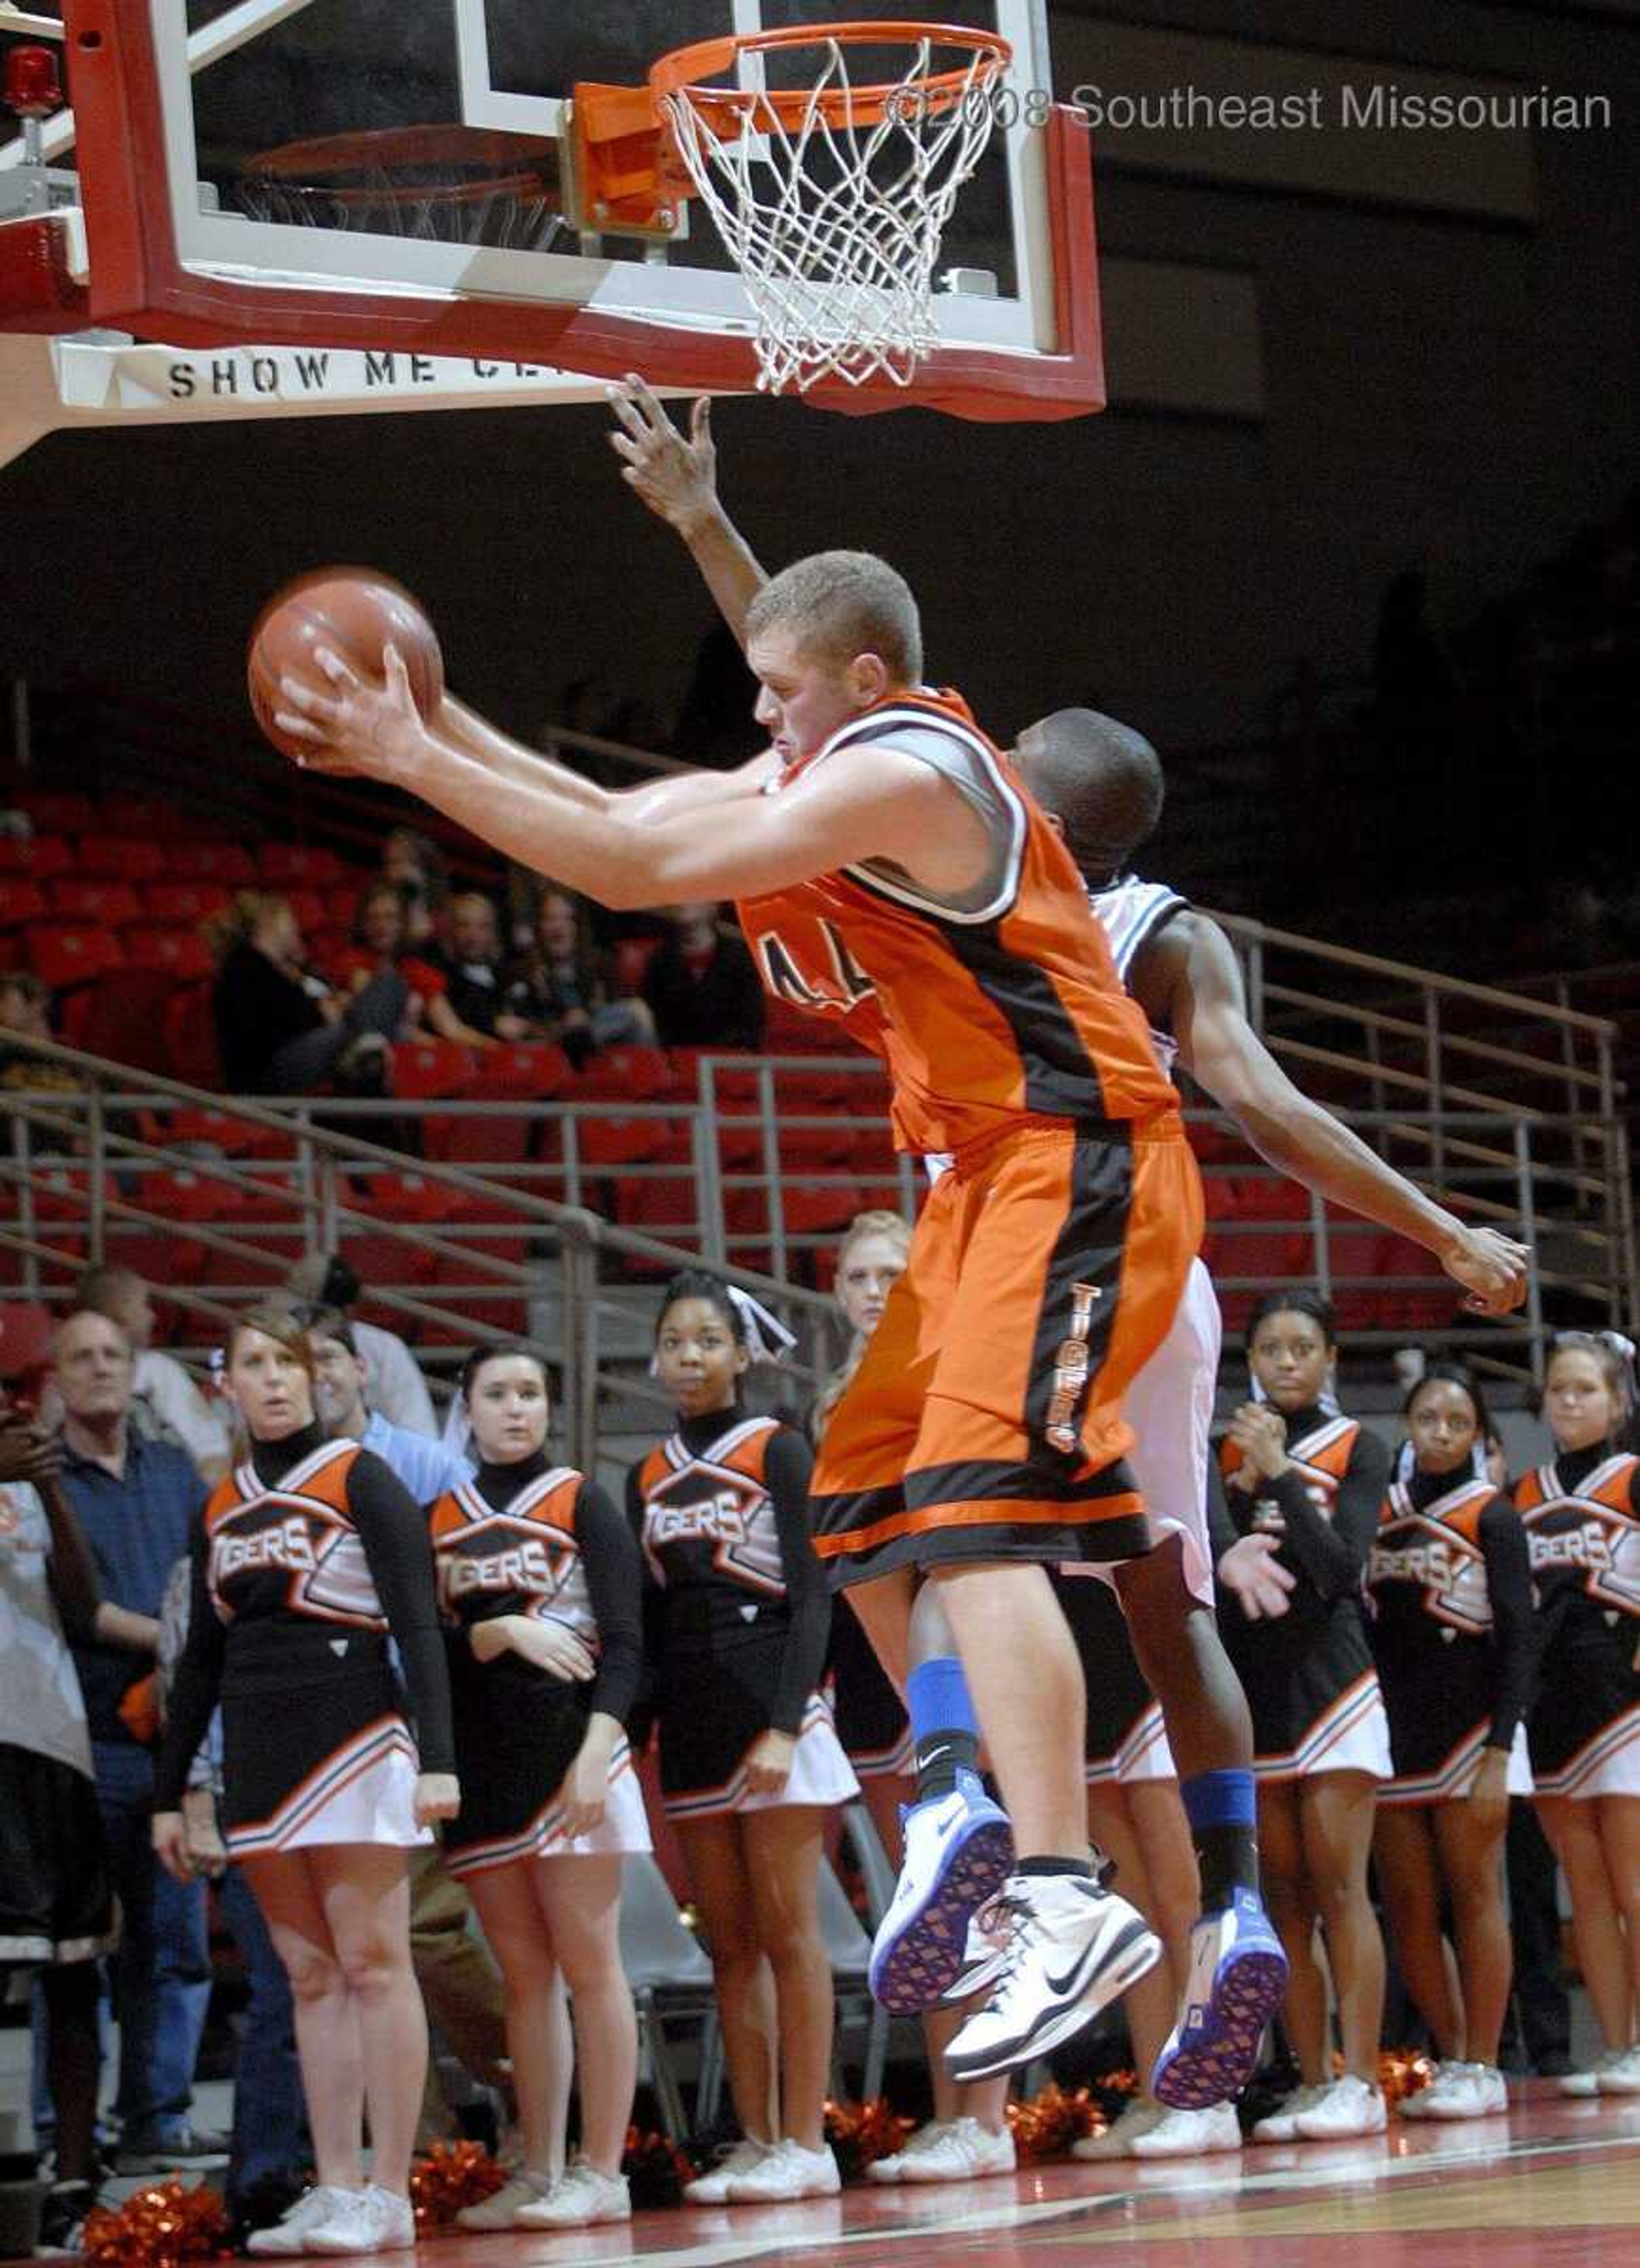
101	1173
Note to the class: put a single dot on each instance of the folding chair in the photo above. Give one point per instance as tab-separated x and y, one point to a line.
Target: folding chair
849	1950
670	1977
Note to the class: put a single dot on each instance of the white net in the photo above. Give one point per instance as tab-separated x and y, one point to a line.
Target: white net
835	215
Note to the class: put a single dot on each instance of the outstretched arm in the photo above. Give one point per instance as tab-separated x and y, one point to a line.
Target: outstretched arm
504	758
1187	979
677	481
867	801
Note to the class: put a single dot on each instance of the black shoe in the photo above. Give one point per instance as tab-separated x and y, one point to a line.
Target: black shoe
189	2146
63	2215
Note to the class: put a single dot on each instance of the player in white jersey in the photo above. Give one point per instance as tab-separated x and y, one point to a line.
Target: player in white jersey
1102	784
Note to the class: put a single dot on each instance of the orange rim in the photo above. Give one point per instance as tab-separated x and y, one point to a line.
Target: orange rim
682	72
493	162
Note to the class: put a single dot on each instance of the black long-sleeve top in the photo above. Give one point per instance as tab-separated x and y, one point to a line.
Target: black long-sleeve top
1449	1562
588	1576
702	1569
245	1591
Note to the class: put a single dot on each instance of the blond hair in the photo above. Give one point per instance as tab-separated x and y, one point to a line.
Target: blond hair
238	922
839	605
877	1222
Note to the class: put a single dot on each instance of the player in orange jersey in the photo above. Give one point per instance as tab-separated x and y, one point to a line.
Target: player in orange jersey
882	843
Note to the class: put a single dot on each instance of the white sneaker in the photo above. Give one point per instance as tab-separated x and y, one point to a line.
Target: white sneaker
1418	2105
1592	2081
1237	1975
788	2172
501	2210
965	2151
1282	2123
1072	1948
579	2199
1118	2139
373	2220
286	2238
957	1850
1348	2108
1467	2090
713	2188
886	2171
1620	2074
1190	2133
984	1954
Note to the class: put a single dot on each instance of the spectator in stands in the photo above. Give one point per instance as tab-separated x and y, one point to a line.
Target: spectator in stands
280	1028
470	965
136	1501
561	988
25	1010
412	862
381	947
57	1897
460	1981
393	1383
702	986
166	1404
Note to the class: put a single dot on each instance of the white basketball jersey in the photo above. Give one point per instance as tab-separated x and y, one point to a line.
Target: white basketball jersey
1130	912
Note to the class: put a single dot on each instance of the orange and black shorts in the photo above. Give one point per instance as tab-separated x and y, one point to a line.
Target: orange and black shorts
985	1420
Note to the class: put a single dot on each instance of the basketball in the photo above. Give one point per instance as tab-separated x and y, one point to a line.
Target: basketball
355	611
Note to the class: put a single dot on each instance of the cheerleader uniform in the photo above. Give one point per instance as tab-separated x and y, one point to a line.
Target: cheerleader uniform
1582	1516
1453	1633
1125	1739
738	1612
307	1557
541	1540
1308	1674
870	1717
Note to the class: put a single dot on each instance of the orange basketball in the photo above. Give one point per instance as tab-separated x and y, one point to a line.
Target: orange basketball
356	612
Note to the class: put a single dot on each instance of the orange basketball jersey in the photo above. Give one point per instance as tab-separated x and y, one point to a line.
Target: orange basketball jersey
1011	1009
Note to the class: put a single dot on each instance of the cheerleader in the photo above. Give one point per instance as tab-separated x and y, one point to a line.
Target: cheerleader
1455	1642
1582	1515
749	1763
1303	1487
871	1718
540	1577
309	1555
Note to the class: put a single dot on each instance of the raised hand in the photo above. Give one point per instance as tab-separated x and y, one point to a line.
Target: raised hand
676	478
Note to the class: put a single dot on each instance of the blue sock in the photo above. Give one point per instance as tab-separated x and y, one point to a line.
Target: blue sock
942	1726
1222	1808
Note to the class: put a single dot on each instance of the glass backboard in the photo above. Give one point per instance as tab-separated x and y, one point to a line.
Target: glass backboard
390	173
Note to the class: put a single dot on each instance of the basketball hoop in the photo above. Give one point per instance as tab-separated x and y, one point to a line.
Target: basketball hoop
830	198
439	184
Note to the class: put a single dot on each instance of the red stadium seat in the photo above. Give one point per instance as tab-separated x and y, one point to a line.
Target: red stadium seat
122	1016
120	857
33	858
110	903
628	1074
385	1263
531	1070
284	866
65	954
162	944
20	901
191	1036
203	860
188	901
308	907
62	814
430	1066
25	1333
